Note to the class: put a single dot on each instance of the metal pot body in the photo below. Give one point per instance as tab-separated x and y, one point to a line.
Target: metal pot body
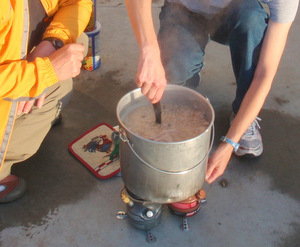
164	172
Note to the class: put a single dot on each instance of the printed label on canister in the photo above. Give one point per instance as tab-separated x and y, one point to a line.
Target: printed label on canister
93	59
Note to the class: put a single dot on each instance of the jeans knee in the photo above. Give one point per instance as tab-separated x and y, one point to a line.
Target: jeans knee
179	74
252	21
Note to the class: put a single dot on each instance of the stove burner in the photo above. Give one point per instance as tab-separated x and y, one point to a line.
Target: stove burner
133	196
189	206
141	214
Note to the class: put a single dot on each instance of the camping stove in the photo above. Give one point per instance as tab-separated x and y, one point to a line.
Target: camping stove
188	207
146	215
141	214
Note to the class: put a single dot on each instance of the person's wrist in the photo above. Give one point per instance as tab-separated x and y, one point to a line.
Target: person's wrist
57	43
230	142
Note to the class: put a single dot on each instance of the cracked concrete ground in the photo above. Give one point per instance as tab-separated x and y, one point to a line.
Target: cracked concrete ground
66	205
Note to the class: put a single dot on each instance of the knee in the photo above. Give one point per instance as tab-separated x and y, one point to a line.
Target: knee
66	89
180	73
252	21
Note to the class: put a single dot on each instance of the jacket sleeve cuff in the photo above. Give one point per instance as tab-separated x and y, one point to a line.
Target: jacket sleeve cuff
48	72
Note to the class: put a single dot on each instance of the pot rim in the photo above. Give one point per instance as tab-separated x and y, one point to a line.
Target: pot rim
168	87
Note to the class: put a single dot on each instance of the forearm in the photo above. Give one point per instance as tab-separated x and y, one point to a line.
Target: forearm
140	15
150	73
21	79
271	52
249	109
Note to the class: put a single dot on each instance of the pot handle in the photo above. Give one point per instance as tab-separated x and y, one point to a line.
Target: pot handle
124	138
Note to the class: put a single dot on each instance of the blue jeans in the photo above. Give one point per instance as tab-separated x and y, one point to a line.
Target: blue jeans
183	36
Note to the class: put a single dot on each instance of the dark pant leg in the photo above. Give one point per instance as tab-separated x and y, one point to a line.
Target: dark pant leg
182	38
243	29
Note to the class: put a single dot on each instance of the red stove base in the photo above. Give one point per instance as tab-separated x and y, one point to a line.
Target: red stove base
189	206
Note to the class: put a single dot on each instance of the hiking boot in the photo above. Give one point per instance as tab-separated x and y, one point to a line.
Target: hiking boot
11	188
251	145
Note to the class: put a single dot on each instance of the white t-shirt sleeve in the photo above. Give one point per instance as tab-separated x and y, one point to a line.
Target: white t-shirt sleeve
282	11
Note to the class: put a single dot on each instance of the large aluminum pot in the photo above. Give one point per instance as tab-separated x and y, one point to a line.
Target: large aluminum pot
164	172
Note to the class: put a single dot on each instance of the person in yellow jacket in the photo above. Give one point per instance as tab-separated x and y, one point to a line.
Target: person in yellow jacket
40	53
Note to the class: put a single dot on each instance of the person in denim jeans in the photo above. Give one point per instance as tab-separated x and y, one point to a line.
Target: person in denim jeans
256	40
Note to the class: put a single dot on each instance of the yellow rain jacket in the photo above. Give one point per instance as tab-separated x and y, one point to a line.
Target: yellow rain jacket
22	80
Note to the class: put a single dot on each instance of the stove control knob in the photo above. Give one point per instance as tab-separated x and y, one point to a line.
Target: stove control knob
149	214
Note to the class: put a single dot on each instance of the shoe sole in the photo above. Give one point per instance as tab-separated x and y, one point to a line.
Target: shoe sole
249	155
15	194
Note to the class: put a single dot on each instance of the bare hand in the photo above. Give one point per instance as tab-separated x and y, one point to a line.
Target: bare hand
151	75
44	49
25	106
218	162
67	61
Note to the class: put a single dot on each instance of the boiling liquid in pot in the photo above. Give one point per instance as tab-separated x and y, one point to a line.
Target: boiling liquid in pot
178	123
